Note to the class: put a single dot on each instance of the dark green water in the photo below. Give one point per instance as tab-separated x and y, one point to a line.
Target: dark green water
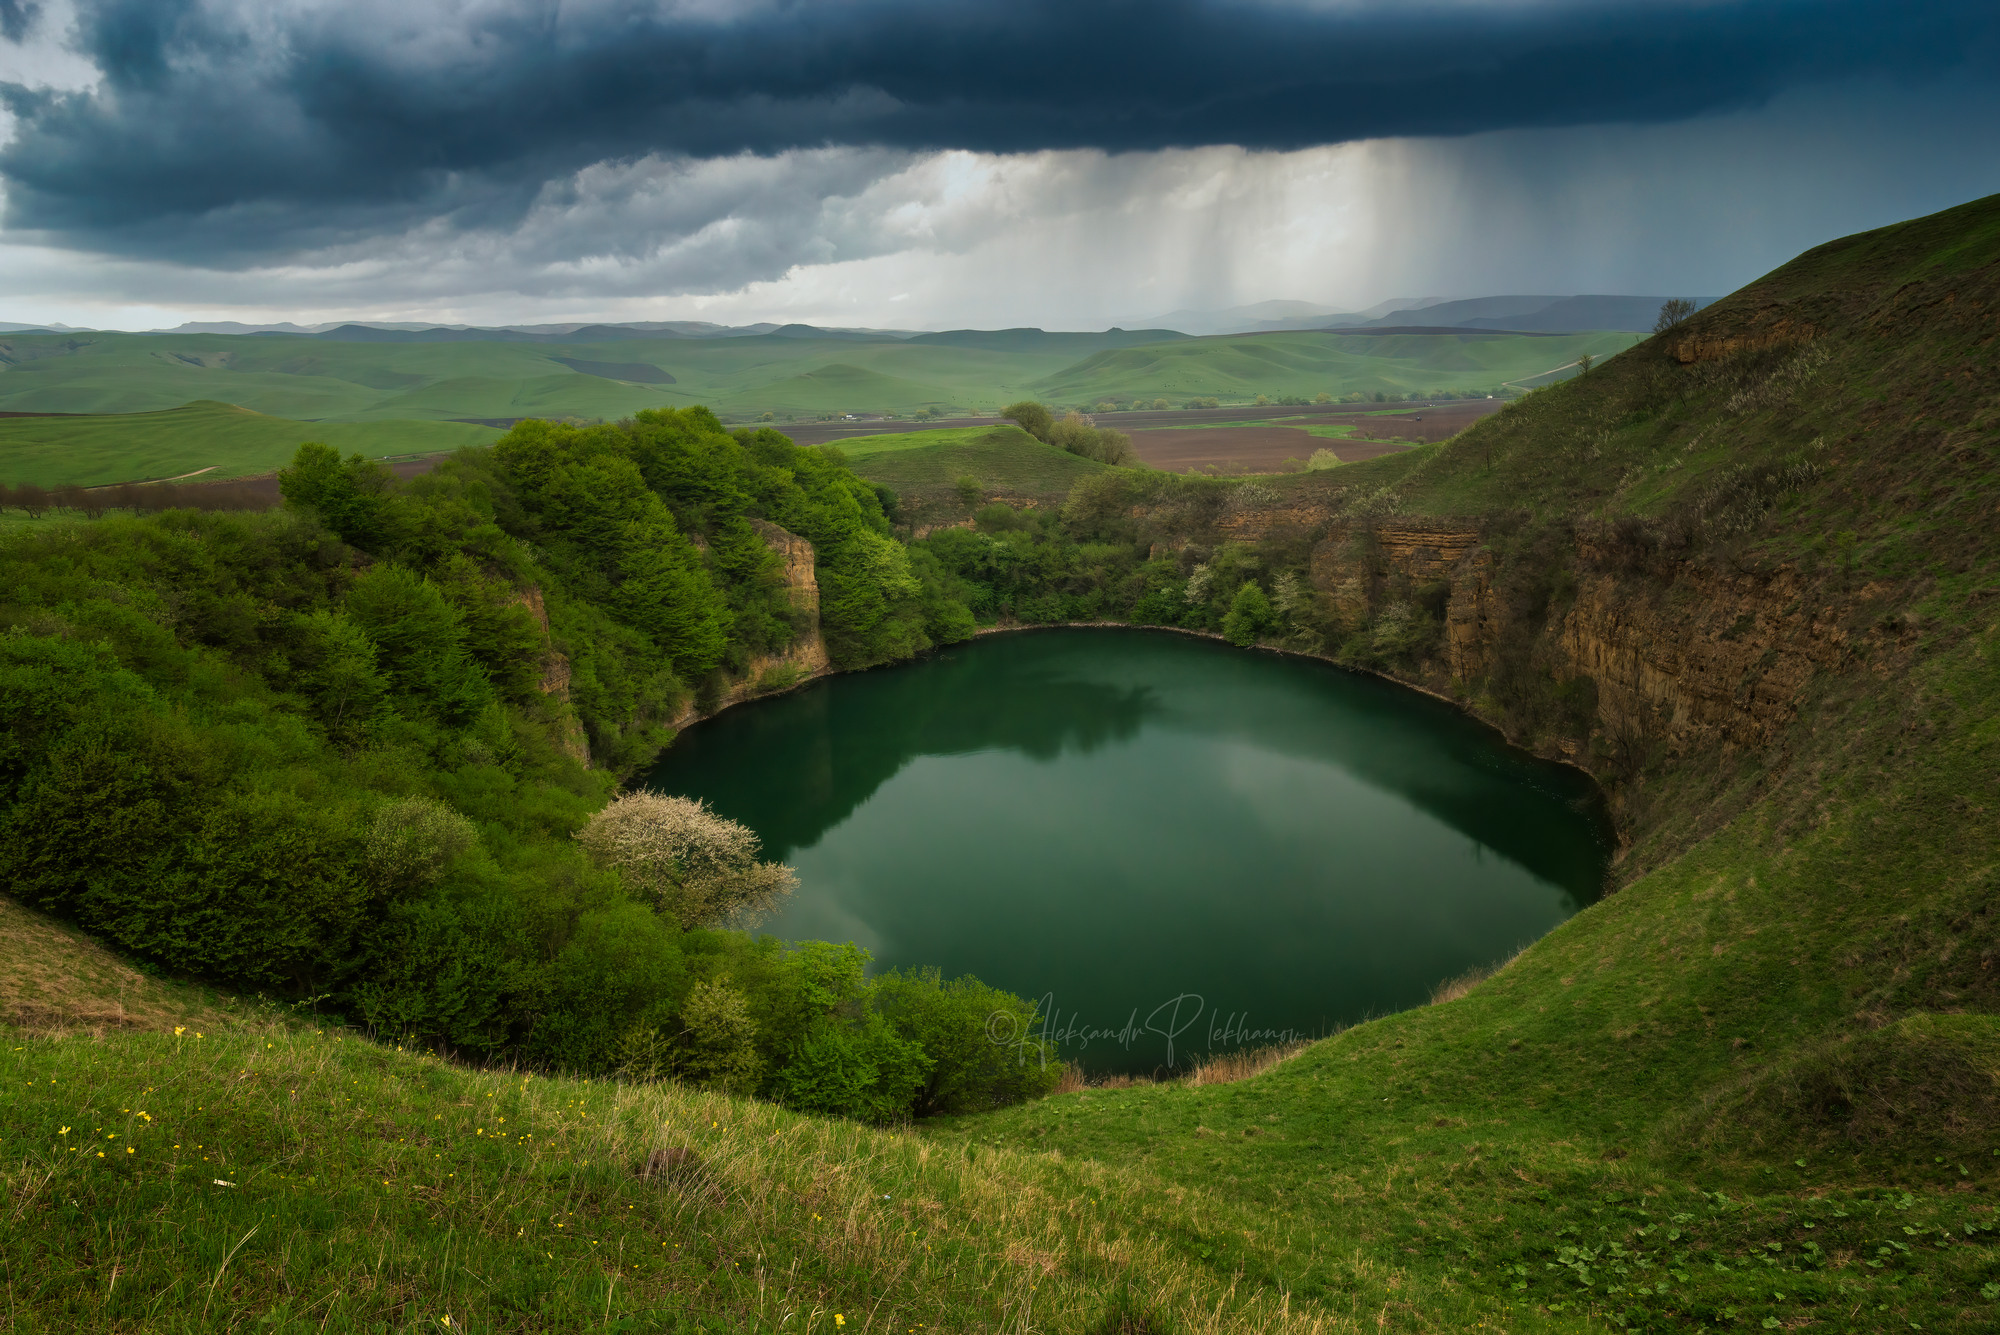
1170	841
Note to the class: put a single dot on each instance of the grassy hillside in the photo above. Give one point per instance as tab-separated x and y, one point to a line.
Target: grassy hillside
292	1177
56	981
1747	571
924	467
1238	366
218	438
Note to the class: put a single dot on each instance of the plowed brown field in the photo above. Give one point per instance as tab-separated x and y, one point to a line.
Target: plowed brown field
1272	449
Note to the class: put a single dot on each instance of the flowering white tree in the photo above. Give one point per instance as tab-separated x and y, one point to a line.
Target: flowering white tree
693	865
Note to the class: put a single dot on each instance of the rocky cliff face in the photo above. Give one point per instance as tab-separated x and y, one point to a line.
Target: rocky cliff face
808	652
1689	656
806	657
554	684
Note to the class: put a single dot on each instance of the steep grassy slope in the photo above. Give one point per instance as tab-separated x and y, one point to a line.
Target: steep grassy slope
279	1174
217	438
55	980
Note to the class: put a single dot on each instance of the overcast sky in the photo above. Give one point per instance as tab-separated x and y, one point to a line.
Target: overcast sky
947	163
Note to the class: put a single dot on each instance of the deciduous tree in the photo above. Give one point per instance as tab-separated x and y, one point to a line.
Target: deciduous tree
691	864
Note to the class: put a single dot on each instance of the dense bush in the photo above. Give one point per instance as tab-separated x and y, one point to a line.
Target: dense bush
310	752
1074	432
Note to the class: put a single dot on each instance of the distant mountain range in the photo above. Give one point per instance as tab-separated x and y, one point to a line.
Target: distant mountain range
1528	314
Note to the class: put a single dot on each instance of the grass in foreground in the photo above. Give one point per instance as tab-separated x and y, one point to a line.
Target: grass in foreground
284	1177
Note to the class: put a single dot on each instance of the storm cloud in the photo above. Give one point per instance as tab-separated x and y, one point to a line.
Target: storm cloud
232	132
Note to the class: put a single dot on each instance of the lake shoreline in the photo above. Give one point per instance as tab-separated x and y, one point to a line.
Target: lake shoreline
689	718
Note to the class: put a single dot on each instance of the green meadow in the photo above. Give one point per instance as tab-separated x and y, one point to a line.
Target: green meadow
925	468
219	439
1238	367
325	379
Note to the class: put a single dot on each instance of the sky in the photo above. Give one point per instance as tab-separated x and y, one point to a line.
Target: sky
954	163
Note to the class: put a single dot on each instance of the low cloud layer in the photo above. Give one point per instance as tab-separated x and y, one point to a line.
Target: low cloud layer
245	132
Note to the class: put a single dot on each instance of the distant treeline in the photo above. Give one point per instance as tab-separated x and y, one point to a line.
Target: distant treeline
340	752
1299	400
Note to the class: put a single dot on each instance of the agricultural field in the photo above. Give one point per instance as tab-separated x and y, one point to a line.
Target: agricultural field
204	439
329	380
1283	444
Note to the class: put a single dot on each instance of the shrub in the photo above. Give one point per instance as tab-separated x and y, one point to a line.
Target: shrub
1079	435
419	643
443	972
1031	417
412	840
717	1045
128	830
1249	614
621	969
981	1042
867	1071
689	863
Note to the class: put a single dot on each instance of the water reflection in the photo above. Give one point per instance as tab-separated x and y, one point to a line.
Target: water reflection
834	743
1123	821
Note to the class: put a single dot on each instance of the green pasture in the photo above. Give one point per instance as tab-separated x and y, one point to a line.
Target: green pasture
1313	363
1001	459
231	441
890	442
741	378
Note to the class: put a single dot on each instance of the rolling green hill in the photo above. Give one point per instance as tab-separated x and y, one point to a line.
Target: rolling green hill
217	439
1238	366
924	467
331	380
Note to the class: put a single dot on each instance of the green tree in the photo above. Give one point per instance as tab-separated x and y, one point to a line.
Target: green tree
331	661
1031	417
350	496
419	641
1249	615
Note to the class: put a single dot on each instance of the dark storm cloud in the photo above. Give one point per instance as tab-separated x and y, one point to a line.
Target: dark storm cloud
17	17
269	129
